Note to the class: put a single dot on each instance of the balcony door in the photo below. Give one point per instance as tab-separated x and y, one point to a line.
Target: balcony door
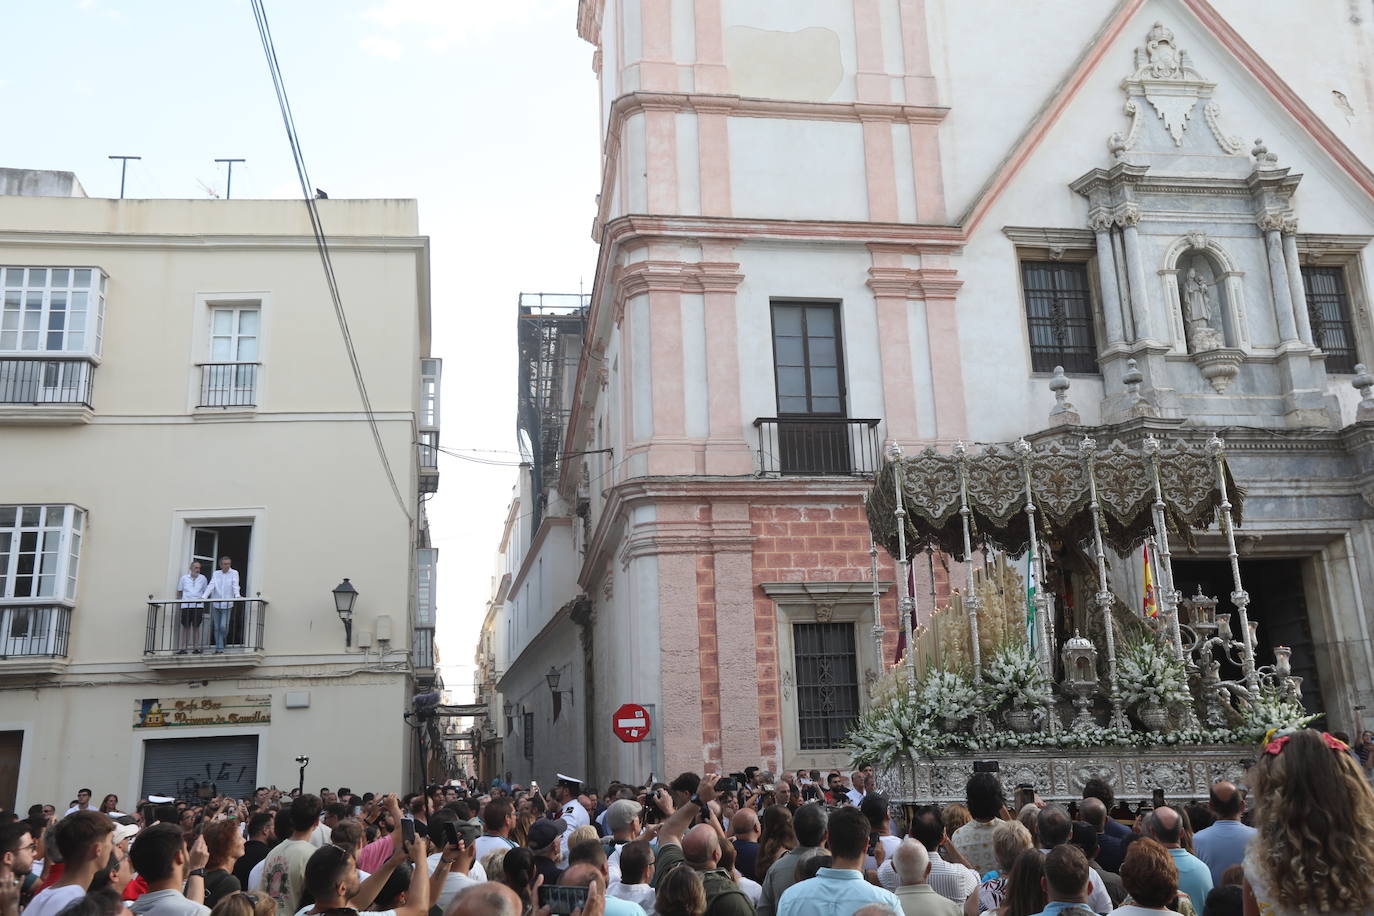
812	435
208	544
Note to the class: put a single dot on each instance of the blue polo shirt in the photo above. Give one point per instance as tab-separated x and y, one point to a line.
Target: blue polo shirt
834	892
1222	845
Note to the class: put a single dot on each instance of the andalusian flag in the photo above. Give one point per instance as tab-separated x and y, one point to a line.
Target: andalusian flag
1151	604
1030	600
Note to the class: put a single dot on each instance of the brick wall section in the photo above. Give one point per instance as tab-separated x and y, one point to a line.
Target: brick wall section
813	543
710	664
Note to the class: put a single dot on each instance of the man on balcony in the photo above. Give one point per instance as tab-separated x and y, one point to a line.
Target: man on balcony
224	584
192	585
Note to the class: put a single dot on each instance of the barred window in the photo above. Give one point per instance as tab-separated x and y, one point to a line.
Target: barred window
1328	306
528	736
1059	315
827	683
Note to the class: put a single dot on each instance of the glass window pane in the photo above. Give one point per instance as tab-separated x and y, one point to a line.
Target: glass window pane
222	321
76	340
60	276
9	340
56	320
220	350
12	299
787	320
10	321
33	300
248	321
83	278
823	351
57	302
248	350
29	516
820	322
791	382
38	276
826	405
788	351
791	405
7	516
14	277
54	340
79	300
825	382
32	319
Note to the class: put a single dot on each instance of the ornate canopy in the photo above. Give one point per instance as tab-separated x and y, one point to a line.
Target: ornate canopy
997	479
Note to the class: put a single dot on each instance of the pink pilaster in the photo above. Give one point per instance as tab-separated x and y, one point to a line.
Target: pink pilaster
657	70
709	73
938	286
892	284
660	159
918	79
727	453
871	83
879	172
925	164
713	157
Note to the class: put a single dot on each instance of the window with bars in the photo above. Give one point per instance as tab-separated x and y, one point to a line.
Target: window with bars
1060	316
1328	306
528	735
40	548
827	683
52	310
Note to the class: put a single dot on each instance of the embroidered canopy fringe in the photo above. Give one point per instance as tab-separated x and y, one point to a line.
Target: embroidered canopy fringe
1059	485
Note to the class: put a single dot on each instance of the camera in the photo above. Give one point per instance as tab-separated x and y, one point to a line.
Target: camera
303	760
727	784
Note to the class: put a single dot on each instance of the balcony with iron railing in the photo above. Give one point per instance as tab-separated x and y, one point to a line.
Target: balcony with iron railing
33	639
228	386
817	446
205	633
46	389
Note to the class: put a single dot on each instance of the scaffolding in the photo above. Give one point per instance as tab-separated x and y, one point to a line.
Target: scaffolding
550	332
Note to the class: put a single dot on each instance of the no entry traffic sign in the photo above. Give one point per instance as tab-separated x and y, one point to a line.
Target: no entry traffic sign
630	723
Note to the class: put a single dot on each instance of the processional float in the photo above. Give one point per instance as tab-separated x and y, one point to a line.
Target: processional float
1158	714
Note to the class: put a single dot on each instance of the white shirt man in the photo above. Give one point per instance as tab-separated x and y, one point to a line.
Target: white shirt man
192	585
224	583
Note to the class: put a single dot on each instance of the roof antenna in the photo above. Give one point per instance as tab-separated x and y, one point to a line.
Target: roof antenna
229	182
123	168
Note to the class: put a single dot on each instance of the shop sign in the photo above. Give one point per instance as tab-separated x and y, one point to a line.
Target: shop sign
199	712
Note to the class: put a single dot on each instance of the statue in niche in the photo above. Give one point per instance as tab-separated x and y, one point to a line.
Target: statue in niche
1198	314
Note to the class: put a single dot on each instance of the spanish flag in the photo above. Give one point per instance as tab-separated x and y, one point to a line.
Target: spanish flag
1151	604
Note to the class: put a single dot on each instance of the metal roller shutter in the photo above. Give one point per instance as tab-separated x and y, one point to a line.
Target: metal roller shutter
196	768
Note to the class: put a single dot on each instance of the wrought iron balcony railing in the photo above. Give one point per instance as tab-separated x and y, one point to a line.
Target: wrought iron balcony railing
818	446
228	385
34	630
46	380
205	626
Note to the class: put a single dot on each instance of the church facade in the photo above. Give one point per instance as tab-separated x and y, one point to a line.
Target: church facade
825	227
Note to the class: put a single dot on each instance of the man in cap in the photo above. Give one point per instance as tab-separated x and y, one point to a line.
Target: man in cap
568	793
545	839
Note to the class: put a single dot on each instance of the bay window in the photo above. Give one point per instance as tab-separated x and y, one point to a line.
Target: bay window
40	549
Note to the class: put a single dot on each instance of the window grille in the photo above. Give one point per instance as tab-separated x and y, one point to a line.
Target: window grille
827	683
1059	316
1328	306
528	736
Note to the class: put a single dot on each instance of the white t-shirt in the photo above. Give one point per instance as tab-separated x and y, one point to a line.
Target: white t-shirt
752	889
855	797
192	587
455	881
306	909
322	836
642	894
890	844
69	811
489	844
54	900
255	877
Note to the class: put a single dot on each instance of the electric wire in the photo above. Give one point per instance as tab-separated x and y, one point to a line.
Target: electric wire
322	244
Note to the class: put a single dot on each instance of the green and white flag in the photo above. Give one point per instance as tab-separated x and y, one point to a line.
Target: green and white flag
1030	600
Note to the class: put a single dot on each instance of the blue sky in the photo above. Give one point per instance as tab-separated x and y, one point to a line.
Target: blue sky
484	112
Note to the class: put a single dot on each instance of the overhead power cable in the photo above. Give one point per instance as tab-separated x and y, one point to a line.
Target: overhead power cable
317	227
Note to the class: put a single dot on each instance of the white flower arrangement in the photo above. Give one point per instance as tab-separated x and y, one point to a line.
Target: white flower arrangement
1270	708
1148	673
949	695
1014	677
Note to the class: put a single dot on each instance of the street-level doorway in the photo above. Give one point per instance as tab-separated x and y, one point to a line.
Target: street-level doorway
196	769
11	752
1278	604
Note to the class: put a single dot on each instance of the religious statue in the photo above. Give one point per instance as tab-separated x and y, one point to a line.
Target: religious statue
1197	312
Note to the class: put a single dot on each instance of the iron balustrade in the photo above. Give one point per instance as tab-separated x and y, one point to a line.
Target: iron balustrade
46	380
186	627
34	630
818	446
228	384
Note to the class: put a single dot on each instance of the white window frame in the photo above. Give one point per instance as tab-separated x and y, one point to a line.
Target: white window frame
182	541
820	602
431	377
71	534
202	336
426	585
92	328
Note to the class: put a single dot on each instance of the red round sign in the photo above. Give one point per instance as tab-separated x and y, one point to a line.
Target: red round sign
630	723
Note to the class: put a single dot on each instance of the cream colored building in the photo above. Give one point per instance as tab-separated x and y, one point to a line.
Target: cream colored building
174	386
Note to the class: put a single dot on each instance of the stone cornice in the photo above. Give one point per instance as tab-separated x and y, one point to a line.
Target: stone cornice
589	13
912	238
231	242
1037	237
826	591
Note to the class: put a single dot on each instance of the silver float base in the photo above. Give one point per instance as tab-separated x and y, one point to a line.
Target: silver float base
1058	774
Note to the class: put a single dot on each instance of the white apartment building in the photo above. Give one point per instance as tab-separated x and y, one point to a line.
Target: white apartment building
174	388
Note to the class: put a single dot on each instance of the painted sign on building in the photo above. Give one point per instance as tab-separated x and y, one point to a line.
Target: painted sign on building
198	712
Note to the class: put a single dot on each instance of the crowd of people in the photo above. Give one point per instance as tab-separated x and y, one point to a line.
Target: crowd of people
1300	840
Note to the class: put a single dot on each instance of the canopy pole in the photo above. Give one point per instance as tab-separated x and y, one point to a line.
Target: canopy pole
1166	558
1239	597
1088	450
906	602
981	724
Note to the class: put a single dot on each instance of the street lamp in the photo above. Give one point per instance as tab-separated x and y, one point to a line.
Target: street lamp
344	596
552	677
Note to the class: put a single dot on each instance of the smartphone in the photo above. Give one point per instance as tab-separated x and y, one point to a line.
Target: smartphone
451	833
408	830
562	899
1025	795
986	766
727	784
1157	798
